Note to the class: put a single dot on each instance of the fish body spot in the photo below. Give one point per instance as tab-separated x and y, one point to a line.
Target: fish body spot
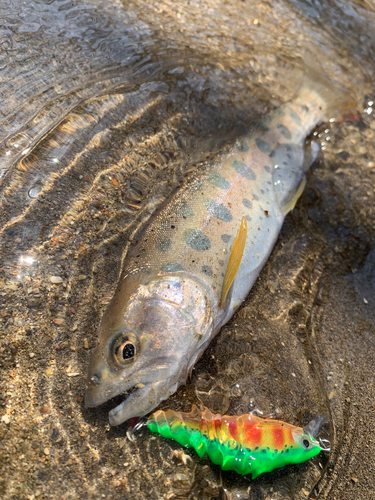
197	185
184	210
172	267
262	145
218	210
284	131
164	244
218	180
267	169
207	270
255	197
295	116
247	203
197	240
226	238
263	127
243	170
242	146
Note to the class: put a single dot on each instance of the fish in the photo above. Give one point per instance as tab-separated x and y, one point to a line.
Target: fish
246	444
198	257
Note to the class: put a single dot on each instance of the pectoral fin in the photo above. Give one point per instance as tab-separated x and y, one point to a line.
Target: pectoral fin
234	259
291	203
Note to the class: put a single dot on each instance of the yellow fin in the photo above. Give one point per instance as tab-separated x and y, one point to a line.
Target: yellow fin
293	200
234	260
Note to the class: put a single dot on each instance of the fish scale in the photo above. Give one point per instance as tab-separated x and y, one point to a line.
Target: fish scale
197	259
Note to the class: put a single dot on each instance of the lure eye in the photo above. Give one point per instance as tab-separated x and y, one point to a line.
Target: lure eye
306	443
125	348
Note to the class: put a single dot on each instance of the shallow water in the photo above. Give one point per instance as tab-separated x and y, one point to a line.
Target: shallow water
104	108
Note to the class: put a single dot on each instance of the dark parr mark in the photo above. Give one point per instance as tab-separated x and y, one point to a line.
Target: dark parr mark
295	117
218	180
172	267
207	270
242	146
196	239
184	210
284	131
164	244
218	210
262	145
226	238
247	203
243	170
263	127
196	186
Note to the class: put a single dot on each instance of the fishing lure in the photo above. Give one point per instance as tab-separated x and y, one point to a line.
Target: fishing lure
246	444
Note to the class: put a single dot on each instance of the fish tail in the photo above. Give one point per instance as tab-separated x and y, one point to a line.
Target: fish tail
333	101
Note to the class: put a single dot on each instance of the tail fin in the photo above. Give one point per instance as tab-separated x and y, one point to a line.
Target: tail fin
334	100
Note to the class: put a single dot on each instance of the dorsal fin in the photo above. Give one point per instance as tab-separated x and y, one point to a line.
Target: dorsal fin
234	259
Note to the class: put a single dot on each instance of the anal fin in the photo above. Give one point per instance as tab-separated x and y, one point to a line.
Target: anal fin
234	259
291	202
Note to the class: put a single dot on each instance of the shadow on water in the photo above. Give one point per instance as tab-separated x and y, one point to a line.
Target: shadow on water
104	108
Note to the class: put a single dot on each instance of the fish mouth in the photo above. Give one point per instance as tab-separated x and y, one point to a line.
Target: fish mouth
113	414
119	413
142	400
136	404
92	401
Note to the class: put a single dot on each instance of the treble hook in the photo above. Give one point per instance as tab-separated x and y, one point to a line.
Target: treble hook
130	432
325	444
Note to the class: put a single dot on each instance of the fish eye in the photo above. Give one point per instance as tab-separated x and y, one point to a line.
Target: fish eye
125	348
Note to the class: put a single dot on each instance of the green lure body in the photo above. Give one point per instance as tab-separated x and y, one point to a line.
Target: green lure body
245	444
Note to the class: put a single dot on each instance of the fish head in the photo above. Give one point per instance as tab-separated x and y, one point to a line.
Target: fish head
149	339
